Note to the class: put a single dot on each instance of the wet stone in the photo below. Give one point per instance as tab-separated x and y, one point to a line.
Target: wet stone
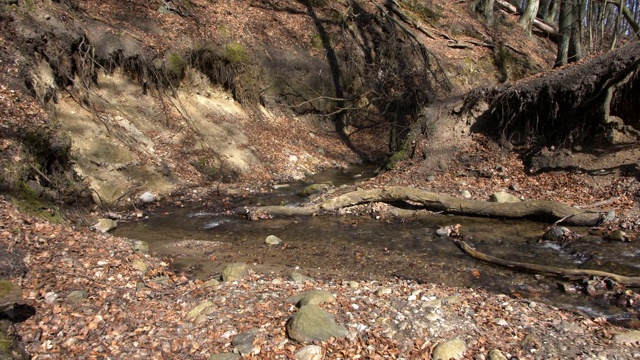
273	240
105	225
452	349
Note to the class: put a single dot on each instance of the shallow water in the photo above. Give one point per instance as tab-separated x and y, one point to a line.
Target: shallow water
366	247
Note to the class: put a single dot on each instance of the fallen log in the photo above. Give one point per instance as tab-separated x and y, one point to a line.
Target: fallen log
545	269
541	209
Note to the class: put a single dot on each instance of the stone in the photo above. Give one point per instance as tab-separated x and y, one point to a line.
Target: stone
10	294
140	246
312	297
514	187
496	354
309	352
199	309
212	283
611	215
234	271
466	194
431	178
273	240
224	356
147	197
618	235
105	225
383	291
452	349
311	323
503	197
139	265
243	342
444	231
77	296
297	277
628	338
315	188
555	233
353	284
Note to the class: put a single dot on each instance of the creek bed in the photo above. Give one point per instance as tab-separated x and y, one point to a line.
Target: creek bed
201	242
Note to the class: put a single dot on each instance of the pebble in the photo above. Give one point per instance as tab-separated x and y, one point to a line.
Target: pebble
383	291
273	240
496	354
466	194
297	277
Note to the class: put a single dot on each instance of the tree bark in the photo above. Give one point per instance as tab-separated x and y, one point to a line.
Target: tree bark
540	209
566	22
529	14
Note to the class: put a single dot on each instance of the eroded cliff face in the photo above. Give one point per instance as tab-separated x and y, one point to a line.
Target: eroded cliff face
156	98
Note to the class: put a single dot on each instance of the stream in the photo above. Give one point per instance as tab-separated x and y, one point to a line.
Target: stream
201	241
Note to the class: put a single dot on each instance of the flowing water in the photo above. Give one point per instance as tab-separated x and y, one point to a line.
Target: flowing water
201	241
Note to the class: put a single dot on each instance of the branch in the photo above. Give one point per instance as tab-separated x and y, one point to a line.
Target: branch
544	269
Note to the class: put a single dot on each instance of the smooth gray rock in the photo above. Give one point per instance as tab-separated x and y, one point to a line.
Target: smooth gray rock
503	197
147	197
235	271
431	178
243	342
452	349
313	297
105	225
466	194
311	323
273	240
309	352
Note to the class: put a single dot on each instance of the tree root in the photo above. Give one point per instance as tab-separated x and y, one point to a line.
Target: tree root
545	269
548	210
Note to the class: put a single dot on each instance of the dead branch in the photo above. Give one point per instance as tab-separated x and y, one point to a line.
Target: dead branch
545	269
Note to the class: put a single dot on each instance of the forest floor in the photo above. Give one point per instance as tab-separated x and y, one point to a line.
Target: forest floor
91	295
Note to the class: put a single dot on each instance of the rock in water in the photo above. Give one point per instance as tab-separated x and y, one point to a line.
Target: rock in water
105	225
273	240
311	323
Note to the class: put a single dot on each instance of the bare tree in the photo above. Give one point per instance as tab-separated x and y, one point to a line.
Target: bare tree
529	14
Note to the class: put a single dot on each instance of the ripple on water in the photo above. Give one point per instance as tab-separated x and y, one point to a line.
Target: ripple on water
214	224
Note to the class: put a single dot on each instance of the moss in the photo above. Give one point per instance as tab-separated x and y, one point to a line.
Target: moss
28	201
424	11
176	64
512	66
316	42
236	53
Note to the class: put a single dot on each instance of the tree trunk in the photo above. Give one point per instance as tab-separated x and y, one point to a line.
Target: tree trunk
566	22
529	14
575	42
487	8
